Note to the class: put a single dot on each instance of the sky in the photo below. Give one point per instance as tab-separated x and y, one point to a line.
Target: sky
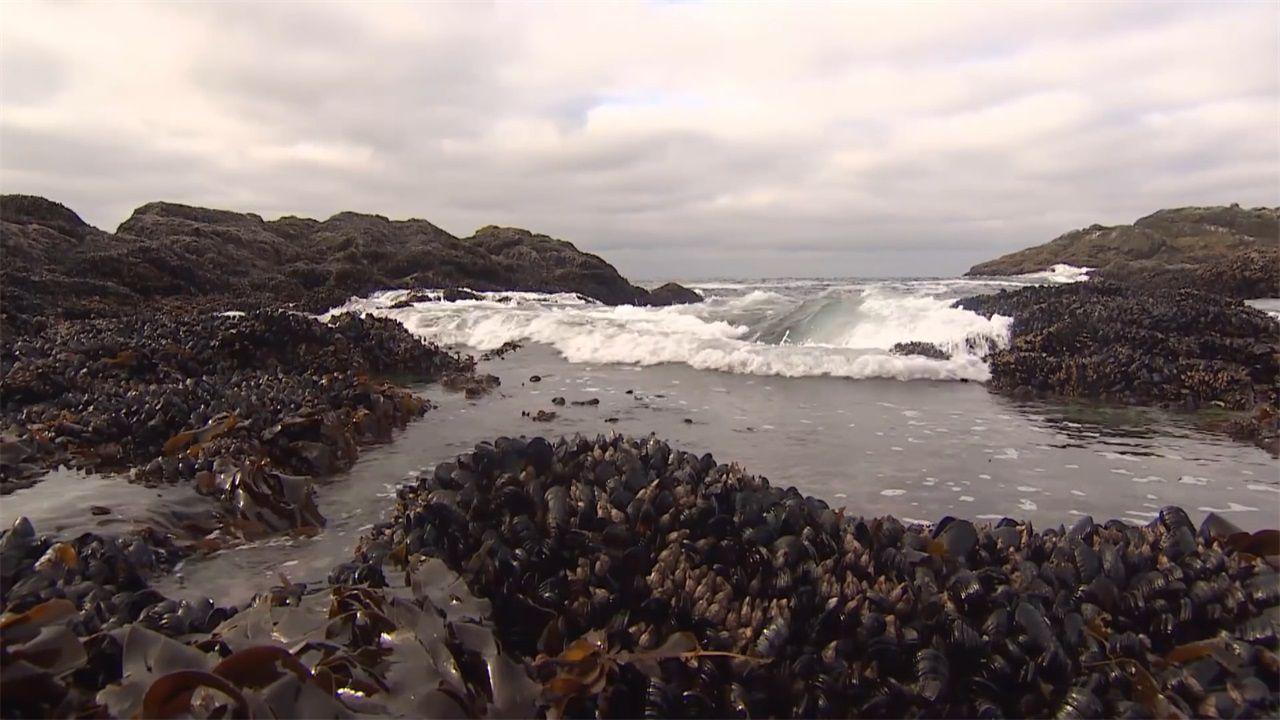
675	139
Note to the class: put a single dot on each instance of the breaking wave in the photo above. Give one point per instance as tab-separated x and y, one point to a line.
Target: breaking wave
790	329
1059	274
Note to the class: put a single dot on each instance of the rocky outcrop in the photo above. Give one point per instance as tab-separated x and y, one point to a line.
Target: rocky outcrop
56	264
1228	250
1244	275
214	400
1177	348
672	294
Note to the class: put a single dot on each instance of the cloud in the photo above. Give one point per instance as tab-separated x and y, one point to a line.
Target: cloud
674	138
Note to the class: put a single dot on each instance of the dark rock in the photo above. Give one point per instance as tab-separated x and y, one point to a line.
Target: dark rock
471	384
1182	349
671	294
456	294
854	616
57	266
1230	251
924	349
501	351
173	395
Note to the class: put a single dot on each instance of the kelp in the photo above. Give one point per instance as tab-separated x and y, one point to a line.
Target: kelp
192	441
38	650
422	649
587	666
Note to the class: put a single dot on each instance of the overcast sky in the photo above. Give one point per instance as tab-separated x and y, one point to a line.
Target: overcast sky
681	139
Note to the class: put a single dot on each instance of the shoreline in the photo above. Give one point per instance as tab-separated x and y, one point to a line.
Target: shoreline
579	517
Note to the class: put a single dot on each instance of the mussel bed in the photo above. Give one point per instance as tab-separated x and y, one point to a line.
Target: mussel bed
1144	344
630	542
246	407
621	577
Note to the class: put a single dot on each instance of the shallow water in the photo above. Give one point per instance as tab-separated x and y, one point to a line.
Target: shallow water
62	503
918	450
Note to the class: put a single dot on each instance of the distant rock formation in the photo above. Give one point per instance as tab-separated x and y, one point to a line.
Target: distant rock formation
673	294
1229	250
55	263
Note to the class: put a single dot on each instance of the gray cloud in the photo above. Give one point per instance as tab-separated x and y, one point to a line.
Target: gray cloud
673	138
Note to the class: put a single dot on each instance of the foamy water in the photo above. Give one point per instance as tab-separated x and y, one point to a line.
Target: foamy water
787	328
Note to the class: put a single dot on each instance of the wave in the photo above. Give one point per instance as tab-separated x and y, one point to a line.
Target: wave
1270	306
844	332
878	317
1061	273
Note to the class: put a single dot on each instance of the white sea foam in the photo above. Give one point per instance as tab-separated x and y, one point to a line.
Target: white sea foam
1058	274
850	344
1270	306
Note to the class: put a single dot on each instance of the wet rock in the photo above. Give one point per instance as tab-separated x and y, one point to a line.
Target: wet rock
472	385
171	395
854	615
316	457
1179	349
923	349
671	294
617	576
501	351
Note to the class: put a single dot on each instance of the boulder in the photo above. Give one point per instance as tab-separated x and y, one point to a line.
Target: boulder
671	294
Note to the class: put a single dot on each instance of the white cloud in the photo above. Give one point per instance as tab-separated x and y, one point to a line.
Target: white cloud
852	138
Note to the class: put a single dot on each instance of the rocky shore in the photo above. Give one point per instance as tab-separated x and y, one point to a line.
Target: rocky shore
247	408
607	576
175	350
1226	250
1176	348
622	577
1159	322
58	266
